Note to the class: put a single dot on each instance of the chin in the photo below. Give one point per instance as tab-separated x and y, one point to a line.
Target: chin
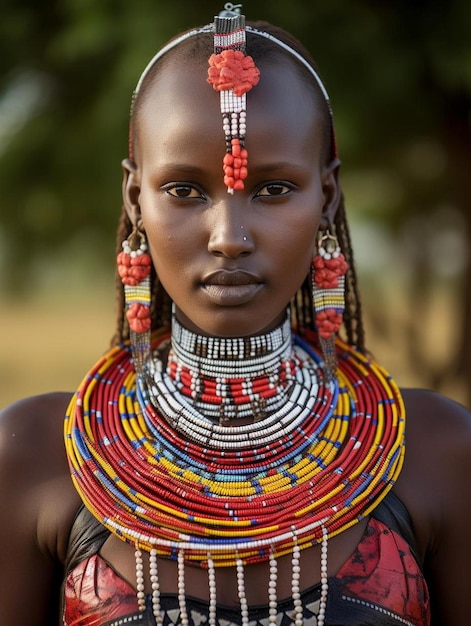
234	322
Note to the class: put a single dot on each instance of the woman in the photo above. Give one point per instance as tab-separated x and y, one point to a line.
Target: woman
245	465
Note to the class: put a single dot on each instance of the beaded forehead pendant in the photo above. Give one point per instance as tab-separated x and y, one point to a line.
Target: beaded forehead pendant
233	74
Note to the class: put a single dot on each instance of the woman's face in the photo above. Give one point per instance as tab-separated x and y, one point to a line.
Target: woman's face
230	263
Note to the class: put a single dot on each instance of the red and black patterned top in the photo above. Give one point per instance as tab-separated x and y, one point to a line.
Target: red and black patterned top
381	584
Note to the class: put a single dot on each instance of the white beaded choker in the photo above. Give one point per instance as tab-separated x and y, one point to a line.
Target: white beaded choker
210	381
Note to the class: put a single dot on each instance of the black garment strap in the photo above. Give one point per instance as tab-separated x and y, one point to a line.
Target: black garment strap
86	538
393	513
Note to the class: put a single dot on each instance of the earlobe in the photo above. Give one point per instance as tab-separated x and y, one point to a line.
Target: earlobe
131	190
332	192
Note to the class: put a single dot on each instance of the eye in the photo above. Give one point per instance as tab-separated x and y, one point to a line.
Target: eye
181	190
273	190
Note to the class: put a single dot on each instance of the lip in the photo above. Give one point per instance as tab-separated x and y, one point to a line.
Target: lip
231	287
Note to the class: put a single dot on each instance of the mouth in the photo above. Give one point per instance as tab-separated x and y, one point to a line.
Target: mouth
231	288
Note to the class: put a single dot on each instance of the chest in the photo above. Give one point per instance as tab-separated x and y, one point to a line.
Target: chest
378	582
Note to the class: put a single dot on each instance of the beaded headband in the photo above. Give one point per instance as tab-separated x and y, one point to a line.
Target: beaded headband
229	31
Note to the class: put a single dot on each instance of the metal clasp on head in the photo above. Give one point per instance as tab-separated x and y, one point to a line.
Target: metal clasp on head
230	10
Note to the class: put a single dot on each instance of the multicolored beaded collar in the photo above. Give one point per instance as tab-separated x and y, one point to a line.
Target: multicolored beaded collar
166	477
155	465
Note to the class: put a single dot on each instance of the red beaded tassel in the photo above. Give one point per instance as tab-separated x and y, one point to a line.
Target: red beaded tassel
233	74
328	286
134	266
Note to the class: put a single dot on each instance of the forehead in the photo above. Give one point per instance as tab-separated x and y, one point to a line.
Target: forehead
181	107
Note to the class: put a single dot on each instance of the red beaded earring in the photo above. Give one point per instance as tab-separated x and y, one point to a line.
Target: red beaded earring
328	288
134	266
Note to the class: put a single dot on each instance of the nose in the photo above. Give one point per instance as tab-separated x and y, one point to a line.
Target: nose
230	235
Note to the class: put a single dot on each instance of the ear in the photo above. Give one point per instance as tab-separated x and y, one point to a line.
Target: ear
332	192
131	191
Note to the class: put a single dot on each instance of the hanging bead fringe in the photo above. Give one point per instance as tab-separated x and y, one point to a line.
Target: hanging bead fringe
272	582
241	588
324	579
295	577
181	588
244	609
141	596
154	581
212	591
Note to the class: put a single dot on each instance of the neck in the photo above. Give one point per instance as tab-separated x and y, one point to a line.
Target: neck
227	378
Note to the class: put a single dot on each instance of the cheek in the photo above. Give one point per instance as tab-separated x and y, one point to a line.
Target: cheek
163	248
294	256
298	240
168	257
175	247
166	234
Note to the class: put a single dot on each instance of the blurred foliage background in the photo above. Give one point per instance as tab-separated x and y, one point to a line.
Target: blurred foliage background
399	77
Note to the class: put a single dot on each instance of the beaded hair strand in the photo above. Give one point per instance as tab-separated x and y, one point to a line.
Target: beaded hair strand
196	43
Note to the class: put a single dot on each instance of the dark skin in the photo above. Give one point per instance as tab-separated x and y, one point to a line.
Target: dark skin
193	208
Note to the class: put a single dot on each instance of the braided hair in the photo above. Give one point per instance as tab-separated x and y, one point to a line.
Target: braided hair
198	48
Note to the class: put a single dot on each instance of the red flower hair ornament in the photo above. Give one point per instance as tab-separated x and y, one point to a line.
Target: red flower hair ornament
232	69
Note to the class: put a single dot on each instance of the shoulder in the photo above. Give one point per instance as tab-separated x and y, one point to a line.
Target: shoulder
437	464
32	426
435	486
34	473
436	424
35	406
38	505
438	436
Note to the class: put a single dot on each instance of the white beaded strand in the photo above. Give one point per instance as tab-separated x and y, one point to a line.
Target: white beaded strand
232	547
154	580
272	585
295	586
244	609
181	588
212	591
324	579
141	596
181	413
272	597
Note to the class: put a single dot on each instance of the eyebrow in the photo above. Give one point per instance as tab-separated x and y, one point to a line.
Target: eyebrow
170	169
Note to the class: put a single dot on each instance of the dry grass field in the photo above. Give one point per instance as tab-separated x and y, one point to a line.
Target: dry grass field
48	344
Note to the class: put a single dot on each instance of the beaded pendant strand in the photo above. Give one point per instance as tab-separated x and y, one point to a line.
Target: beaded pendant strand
163	476
233	74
